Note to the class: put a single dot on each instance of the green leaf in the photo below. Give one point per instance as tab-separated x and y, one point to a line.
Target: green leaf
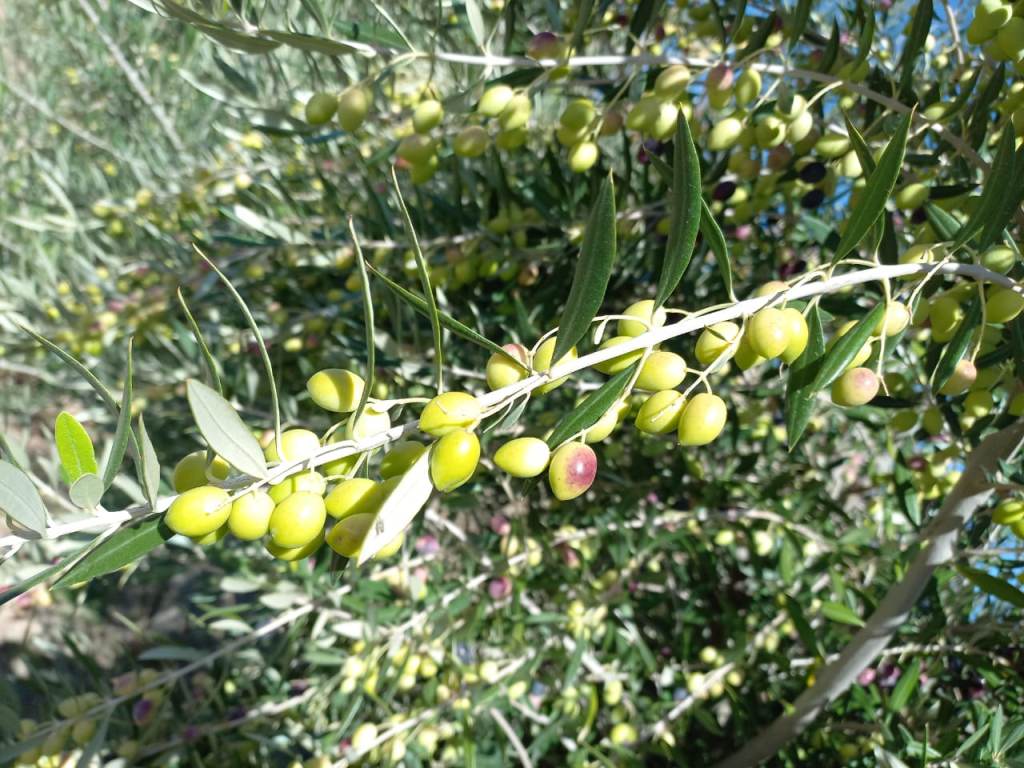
124	425
956	348
224	430
684	212
879	186
799	21
313	43
841	613
998	198
828	57
846	348
211	364
79	368
93	747
803	627
591	409
86	491
399	508
944	224
905	686
916	39
74	447
993	585
799	390
368	323
593	270
20	500
867	160
646	10
716	242
125	546
150	469
476	23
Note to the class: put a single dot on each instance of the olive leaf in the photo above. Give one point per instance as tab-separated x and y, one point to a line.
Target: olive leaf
596	404
125	546
845	348
684	211
74	447
224	430
999	197
149	472
20	500
992	585
799	390
399	508
86	491
124	425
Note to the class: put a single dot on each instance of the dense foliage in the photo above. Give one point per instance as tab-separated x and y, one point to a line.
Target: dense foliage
294	469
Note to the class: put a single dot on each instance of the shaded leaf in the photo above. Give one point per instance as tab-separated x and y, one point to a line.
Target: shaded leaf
587	413
916	39
841	613
86	491
399	508
684	211
716	242
20	500
799	392
993	585
956	348
905	686
846	348
224	431
125	546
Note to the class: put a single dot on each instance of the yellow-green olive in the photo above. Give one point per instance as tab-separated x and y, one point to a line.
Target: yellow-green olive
357	496
448	412
199	511
250	515
320	108
291	554
453	459
346	536
335	389
716	340
501	371
661	370
297	444
659	413
401	456
856	386
523	456
768	332
702	419
353	104
371	422
191	471
623	361
542	363
647	318
298	519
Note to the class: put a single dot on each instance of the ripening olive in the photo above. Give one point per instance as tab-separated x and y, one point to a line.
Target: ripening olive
1008	512
523	456
335	389
353	104
716	340
623	361
856	386
962	378
572	470
798	335
768	331
471	141
401	456
661	370
346	536
542	363
647	318
501	372
190	472
702	419
1003	304
427	115
250	515
659	413
199	511
448	412
320	108
453	459
291	554
297	444
494	100
298	519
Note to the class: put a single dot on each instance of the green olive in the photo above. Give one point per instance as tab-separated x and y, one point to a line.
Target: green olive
702	419
453	459
250	515
716	340
623	361
335	389
502	372
357	496
895	319
542	363
523	456
297	520
401	456
297	444
647	318
211	538
1008	512
291	554
659	413
199	511
672	81
962	378
191	472
320	108
448	412
579	113
353	104
346	536
661	370
1003	304
516	113
768	332
945	315
494	100
427	115
416	149
582	156
572	470
471	141
856	386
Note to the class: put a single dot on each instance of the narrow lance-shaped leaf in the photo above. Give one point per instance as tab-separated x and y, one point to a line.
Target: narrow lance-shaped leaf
992	585
368	323
799	392
956	348
74	447
588	412
716	242
224	430
125	546
877	190
124	425
841	613
845	348
593	270
20	500
998	198
149	472
211	364
915	41
905	686
399	508
684	213
943	223
799	20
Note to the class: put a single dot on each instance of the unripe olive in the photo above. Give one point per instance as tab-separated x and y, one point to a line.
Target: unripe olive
999	258
702	419
746	357
748	87
516	113
672	81
659	413
643	114
798	335
471	141
509	140
190	472
895	319
1003	304
448	412
391	547
647	316
494	100
335	389
297	444
401	456
199	511
911	196
356	496
297	520
453	459
903	421
664	123
353	104
932	421
1010	39
582	156
768	332
416	149
945	315
250	515
770	132
291	554
611	122
856	386
623	734
790	106
371	422
921	253
523	456
715	340
800	128
420	173
661	370
427	115
82	731
501	372
578	113
607	424
623	361
320	108
1008	512
542	363
570	137
346	536
572	470
1016	407
963	377
724	134
978	404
